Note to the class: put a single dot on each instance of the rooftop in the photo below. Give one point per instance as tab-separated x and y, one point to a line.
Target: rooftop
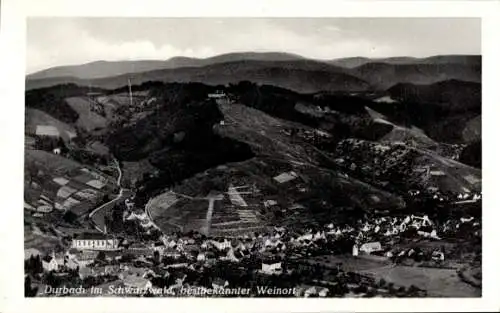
92	236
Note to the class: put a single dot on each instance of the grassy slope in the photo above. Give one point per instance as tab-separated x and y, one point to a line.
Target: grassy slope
35	117
87	119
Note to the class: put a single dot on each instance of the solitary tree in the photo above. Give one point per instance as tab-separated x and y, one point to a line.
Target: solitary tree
28	290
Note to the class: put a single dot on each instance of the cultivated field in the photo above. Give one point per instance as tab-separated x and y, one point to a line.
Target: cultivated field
438	282
34	118
63	184
88	120
399	133
49	162
120	99
225	210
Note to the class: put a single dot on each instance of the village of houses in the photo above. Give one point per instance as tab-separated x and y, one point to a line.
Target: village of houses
179	262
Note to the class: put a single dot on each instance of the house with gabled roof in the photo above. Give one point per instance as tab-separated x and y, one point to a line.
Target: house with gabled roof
219	283
272	266
221	244
50	263
314	290
370	247
95	241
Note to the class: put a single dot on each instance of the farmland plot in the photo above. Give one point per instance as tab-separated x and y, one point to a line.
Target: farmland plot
438	282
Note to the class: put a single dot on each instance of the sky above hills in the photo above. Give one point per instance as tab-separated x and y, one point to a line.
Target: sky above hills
65	41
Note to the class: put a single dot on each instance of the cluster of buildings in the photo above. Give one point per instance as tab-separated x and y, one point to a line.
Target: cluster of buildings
435	194
381	162
220	97
133	263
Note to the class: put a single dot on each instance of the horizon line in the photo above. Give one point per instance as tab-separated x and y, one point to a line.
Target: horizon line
249	51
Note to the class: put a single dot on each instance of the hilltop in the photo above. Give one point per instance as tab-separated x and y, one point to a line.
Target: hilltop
100	69
384	75
307	174
353	62
302	76
279	69
449	111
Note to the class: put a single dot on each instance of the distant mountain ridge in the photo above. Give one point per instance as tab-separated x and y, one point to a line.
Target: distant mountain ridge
101	69
280	69
300	75
353	62
385	75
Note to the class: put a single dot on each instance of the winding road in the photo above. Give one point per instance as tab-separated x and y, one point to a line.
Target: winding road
101	228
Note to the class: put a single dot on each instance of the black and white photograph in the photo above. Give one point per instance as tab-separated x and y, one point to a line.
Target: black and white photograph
249	157
253	157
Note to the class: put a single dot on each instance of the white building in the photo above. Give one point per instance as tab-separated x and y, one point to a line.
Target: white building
285	177
319	235
217	95
269	203
305	237
271	268
432	234
85	257
172	253
438	255
424	221
201	256
219	283
47	130
72	263
95	241
221	245
371	247
312	291
355	250
466	220
50	263
45	208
